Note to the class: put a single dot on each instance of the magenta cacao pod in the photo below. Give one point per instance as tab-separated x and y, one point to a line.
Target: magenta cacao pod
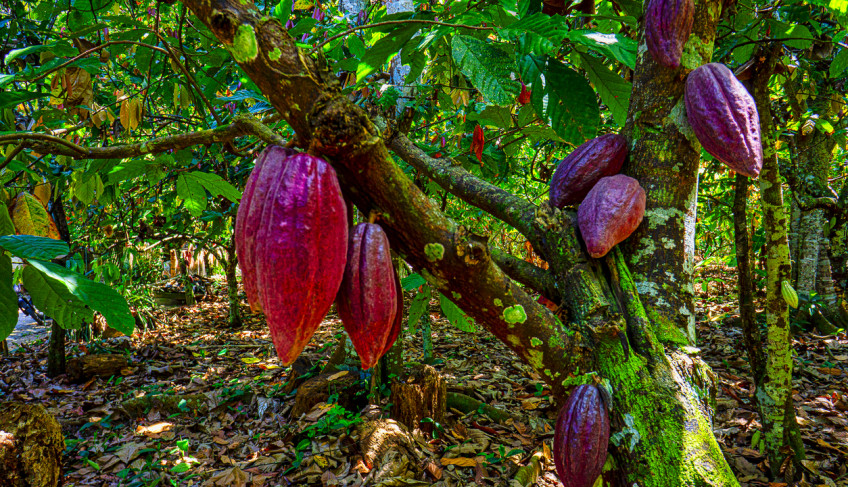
578	173
612	210
393	335
367	301
299	248
668	24
724	117
259	183
581	437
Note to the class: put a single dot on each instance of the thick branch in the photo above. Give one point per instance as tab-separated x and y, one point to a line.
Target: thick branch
451	176
457	263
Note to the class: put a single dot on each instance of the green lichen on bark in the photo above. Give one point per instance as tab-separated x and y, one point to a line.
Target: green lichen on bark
434	252
244	48
515	314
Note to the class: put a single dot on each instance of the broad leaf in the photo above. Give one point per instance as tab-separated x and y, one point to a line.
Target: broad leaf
192	193
567	103
612	88
6	225
33	247
53	298
95	295
489	68
8	299
455	315
216	185
417	307
613	46
385	49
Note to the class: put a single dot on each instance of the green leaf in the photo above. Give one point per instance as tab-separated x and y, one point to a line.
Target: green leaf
302	26
385	49
496	116
356	46
612	88
455	315
54	300
412	281
839	64
8	100
798	36
32	247
488	67
6	225
181	468
8	299
418	307
95	295
26	51
216	185
613	46
567	103
192	194
542	31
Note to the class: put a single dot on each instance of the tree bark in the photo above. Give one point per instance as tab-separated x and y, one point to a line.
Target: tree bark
56	345
232	284
774	397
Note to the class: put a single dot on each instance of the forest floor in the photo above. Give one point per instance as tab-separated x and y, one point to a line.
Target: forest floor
204	404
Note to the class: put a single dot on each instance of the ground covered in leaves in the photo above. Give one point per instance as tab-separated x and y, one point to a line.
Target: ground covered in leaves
204	404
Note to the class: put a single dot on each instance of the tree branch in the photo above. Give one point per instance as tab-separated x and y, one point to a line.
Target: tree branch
528	274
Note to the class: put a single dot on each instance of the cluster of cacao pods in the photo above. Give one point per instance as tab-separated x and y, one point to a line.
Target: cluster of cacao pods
291	239
581	437
613	205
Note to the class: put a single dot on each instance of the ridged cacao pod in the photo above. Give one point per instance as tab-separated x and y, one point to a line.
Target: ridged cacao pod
789	294
299	246
393	336
258	183
668	24
612	210
367	301
724	117
581	437
581	170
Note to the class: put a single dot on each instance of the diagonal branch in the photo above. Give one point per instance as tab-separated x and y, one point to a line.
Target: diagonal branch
451	176
528	274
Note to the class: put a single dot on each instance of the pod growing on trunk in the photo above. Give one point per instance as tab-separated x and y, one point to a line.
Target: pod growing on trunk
724	117
668	24
612	210
581	437
585	166
293	235
368	298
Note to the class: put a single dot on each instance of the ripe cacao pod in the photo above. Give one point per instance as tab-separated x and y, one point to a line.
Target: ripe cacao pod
393	336
258	183
724	117
578	173
367	301
789	294
581	437
668	24
612	210
299	246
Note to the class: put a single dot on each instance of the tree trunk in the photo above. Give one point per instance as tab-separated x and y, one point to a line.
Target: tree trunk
232	284
56	344
774	398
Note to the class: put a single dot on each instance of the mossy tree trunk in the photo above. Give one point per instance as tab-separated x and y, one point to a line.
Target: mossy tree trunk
658	388
774	394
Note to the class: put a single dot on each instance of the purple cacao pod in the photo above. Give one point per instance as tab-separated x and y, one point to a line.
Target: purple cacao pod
724	117
581	437
367	301
259	182
668	24
299	246
578	173
612	210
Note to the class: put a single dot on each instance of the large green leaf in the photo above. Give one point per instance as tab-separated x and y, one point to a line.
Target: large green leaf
542	32
6	225
566	101
612	88
455	315
95	295
53	299
192	193
417	307
613	46
489	68
32	247
385	49
8	299
216	185
10	99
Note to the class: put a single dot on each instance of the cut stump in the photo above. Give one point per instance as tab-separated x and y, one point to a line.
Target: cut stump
31	445
319	388
80	369
420	393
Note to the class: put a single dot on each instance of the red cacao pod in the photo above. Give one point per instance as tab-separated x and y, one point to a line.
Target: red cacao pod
585	166
299	249
581	437
724	117
612	210
367	301
668	24
395	333
258	183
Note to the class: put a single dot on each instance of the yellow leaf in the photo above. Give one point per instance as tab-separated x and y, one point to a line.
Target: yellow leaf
30	217
125	114
176	96
42	192
250	360
185	98
459	461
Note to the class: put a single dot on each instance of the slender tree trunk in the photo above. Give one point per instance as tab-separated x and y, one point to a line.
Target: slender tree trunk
56	345
232	284
774	398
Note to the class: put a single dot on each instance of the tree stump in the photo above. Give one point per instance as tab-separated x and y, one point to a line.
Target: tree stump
319	388
80	369
31	445
420	393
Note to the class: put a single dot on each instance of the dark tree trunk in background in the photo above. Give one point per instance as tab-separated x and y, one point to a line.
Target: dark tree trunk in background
56	346
232	284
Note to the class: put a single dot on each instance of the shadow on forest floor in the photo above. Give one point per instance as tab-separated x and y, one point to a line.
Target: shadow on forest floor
226	422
